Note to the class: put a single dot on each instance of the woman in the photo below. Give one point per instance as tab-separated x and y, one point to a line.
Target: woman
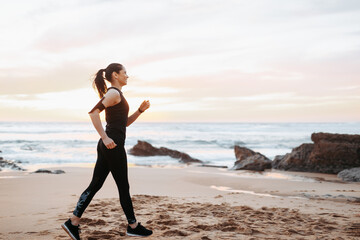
111	155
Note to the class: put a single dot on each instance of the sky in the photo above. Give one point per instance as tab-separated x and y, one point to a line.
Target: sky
196	61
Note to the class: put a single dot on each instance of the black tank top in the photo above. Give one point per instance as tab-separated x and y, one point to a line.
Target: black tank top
116	117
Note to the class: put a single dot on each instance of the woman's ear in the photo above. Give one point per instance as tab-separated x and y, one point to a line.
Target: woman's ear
115	75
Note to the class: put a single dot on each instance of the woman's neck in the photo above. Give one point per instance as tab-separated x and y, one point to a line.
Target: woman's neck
116	85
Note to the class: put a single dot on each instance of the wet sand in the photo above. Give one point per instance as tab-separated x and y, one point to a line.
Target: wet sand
184	203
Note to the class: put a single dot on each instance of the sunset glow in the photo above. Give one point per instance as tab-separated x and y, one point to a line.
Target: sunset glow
228	61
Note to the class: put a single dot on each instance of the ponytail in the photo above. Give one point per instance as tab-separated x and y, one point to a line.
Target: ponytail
99	83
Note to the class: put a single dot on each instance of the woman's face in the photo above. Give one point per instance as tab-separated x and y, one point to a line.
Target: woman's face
121	77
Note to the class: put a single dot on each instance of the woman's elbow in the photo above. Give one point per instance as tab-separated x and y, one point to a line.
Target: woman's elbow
94	113
129	123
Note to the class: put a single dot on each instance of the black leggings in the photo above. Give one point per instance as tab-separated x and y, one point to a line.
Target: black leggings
114	161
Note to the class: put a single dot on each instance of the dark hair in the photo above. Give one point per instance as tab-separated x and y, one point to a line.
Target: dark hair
99	81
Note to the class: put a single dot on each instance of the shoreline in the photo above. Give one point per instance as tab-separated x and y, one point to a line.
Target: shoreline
266	174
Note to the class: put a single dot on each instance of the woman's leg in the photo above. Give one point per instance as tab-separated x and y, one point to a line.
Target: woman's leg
117	162
100	173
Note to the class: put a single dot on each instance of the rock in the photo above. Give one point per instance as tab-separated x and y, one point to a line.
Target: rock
18	161
297	160
10	164
335	137
41	170
330	153
143	148
242	153
329	196
350	175
214	166
247	159
275	163
333	153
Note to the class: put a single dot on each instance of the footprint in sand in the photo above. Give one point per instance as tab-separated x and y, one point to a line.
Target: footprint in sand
354	229
197	228
92	222
205	238
173	233
168	222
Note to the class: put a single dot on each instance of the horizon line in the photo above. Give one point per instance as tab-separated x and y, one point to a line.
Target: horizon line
188	122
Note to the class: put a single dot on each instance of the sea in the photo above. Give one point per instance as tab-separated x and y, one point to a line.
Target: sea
63	143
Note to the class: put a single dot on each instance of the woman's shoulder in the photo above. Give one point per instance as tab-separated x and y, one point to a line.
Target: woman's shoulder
114	89
112	92
113	96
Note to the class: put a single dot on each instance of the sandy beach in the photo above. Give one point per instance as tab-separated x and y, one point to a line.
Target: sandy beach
188	202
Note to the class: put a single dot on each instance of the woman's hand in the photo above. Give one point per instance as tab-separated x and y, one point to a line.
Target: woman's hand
145	105
109	143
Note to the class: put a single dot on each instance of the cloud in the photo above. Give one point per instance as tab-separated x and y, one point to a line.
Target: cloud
66	76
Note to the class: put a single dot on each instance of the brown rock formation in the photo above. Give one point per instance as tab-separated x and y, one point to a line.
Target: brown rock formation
247	159
335	152
143	148
330	153
297	160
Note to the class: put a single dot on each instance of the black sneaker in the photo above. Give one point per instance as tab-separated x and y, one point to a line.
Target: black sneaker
72	230
139	231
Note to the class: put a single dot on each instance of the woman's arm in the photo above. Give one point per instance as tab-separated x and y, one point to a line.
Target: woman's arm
111	98
95	119
145	105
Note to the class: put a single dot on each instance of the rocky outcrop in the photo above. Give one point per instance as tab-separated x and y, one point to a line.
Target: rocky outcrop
144	149
335	152
41	170
350	175
10	164
330	153
277	160
297	160
247	159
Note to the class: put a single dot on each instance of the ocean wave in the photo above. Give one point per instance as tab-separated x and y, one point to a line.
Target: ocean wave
49	141
198	142
32	147
43	131
211	142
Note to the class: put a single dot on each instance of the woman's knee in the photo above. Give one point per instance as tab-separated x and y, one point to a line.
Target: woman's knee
96	184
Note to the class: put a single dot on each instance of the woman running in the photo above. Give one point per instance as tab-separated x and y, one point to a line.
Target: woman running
111	155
